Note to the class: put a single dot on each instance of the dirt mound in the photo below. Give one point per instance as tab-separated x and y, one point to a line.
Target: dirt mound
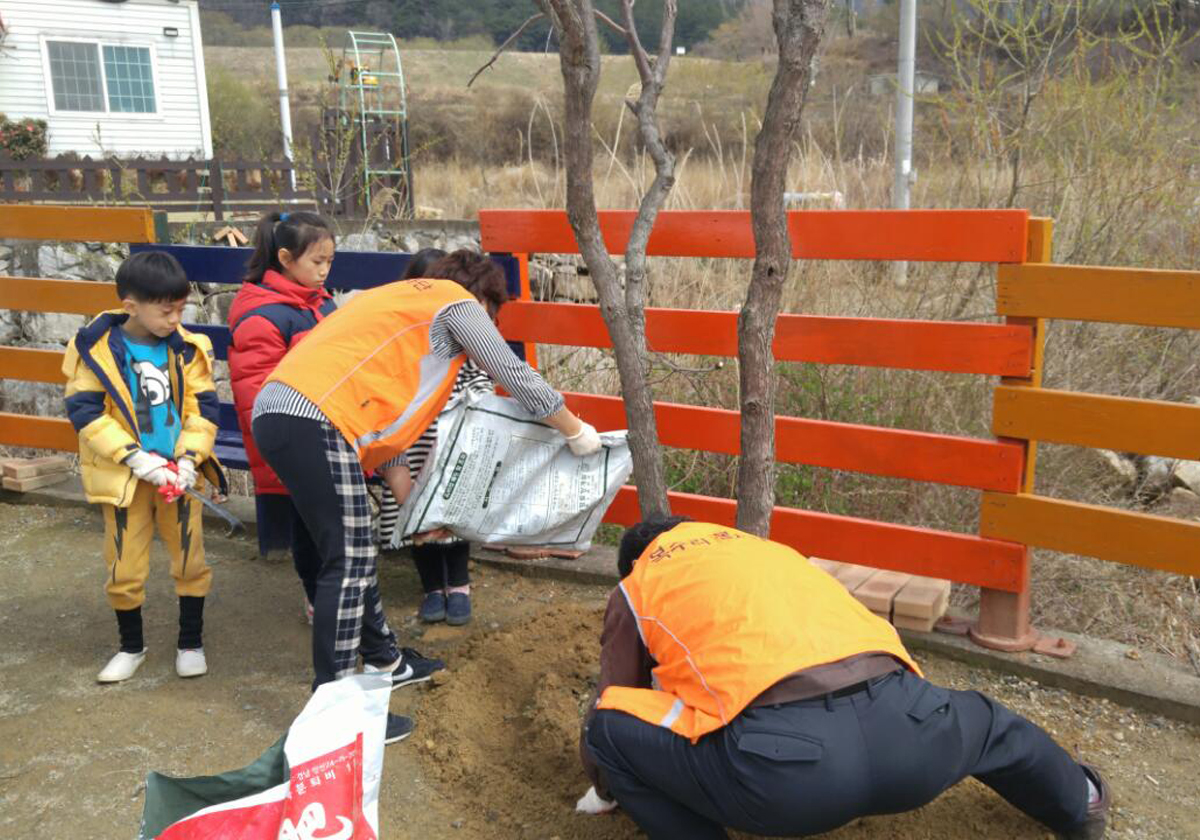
504	730
502	733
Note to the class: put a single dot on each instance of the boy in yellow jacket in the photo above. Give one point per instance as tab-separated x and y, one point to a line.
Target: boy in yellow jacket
140	394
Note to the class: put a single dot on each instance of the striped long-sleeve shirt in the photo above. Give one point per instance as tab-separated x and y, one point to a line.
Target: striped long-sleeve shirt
462	327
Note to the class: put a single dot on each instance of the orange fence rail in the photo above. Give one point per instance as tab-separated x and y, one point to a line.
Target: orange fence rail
999	349
997	236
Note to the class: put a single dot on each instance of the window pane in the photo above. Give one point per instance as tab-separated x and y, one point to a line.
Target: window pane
130	81
75	76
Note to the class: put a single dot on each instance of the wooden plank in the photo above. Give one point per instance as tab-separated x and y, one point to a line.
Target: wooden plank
1146	296
31	365
33	467
40	294
76	224
37	432
990	349
898	453
933	235
24	485
1150	427
960	557
1121	536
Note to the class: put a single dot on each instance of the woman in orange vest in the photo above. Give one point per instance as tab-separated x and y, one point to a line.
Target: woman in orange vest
742	686
353	396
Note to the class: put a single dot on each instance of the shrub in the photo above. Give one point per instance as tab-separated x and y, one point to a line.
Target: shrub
21	139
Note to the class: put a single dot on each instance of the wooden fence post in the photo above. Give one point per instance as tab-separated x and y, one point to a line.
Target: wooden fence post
1004	616
216	187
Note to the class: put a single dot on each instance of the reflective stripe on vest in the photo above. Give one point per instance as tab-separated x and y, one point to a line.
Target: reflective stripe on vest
726	615
370	368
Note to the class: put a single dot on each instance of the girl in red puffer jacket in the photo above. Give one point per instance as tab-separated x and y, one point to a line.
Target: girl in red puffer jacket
282	297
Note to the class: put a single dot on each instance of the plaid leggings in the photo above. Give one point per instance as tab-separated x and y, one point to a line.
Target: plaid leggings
331	495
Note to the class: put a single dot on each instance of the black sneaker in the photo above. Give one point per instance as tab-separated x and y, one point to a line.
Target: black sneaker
414	668
399	727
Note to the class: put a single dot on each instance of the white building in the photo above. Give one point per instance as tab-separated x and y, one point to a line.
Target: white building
110	77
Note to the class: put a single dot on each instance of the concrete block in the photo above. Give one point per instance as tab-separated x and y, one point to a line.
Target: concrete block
877	592
923	598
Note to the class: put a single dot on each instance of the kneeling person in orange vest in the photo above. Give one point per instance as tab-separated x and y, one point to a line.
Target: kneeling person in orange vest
743	687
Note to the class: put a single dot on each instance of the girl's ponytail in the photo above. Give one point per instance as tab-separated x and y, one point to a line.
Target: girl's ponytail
295	231
266	255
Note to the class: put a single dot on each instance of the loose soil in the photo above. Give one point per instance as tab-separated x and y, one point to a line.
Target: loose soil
494	752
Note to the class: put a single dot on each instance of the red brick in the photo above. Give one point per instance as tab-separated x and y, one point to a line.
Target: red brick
827	566
923	598
876	593
851	576
907	622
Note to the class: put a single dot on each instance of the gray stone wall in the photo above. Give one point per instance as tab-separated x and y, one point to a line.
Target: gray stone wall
209	303
49	330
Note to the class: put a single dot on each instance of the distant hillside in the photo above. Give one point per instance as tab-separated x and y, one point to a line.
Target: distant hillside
451	20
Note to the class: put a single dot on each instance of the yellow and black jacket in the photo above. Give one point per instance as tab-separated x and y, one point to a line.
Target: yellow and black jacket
101	408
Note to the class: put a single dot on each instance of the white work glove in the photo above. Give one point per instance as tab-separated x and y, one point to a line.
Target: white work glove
584	442
150	467
591	803
186	477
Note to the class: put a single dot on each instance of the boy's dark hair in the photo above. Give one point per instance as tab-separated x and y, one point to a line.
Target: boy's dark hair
477	274
421	262
152	277
638	537
296	231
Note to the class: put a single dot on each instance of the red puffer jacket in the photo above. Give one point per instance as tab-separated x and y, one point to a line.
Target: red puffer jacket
266	320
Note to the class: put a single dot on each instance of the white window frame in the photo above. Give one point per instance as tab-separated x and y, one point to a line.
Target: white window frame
99	44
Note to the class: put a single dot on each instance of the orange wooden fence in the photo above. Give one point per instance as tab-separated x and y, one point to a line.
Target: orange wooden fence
1030	290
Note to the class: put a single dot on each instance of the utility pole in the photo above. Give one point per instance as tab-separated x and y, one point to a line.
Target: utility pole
285	110
904	114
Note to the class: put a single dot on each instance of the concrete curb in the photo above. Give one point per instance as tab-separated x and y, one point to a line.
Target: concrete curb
1099	668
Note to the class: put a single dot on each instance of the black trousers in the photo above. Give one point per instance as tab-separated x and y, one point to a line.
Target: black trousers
808	767
327	486
441	565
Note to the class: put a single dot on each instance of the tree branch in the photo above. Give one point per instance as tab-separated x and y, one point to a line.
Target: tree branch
504	46
612	23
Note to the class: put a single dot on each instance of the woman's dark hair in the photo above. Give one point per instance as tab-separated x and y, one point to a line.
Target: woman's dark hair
152	277
477	274
421	262
638	537
296	231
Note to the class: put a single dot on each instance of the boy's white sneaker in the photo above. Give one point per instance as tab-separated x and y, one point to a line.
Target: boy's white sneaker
191	663
121	667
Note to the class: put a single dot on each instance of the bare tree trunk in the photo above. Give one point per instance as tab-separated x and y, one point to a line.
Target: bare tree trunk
624	314
799	25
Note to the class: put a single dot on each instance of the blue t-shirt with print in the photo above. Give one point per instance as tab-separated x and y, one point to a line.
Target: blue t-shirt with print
148	373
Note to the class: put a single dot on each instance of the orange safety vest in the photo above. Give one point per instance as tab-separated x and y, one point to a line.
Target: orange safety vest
726	615
371	370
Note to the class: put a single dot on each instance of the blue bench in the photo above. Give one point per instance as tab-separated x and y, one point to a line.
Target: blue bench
351	270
